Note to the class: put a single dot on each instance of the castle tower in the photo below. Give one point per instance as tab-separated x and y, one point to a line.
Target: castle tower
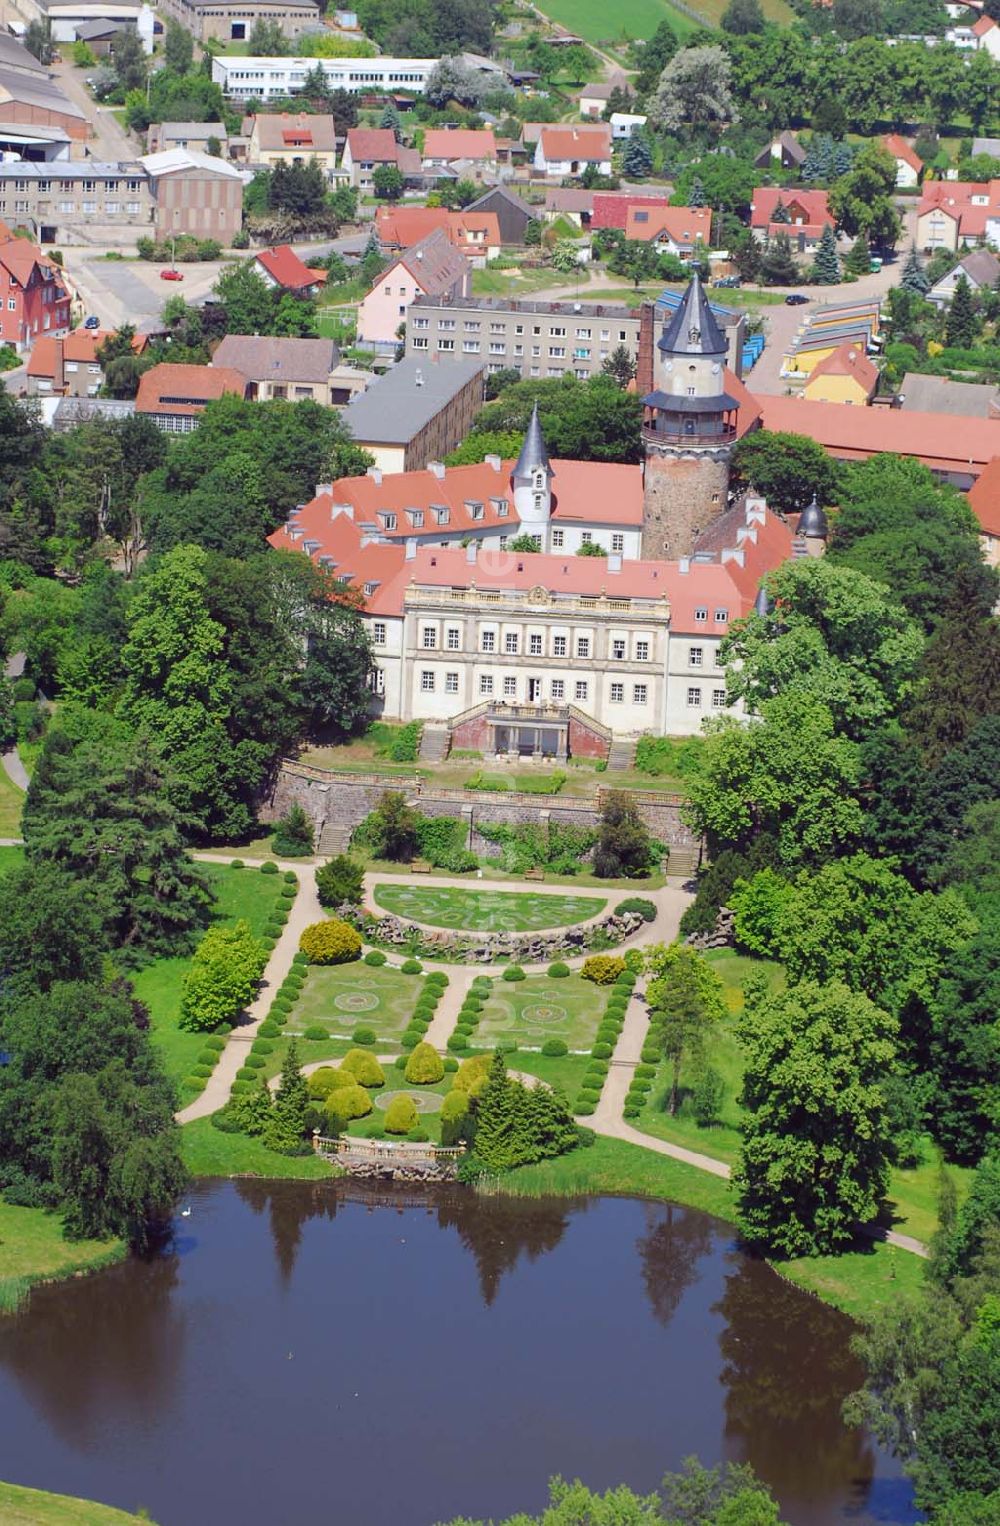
813	528
689	428
532	480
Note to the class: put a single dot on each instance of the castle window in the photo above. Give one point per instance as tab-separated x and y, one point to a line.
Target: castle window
586	537
642	651
694	699
427	681
718	699
539	500
618	543
618	650
617	694
583	646
540	480
429	638
559	646
451	683
558	540
489	641
534	645
378	633
558	688
454	638
700	615
486	683
510	688
581	689
695	656
510	643
639	694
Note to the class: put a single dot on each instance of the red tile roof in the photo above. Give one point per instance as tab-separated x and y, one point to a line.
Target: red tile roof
590	143
984	498
459	143
809	206
942	441
19	257
983	25
434	263
611	208
81	346
284	266
954	199
182	389
402	227
375	145
848	360
900	149
684	226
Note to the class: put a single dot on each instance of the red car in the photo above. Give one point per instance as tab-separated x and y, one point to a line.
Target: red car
171	275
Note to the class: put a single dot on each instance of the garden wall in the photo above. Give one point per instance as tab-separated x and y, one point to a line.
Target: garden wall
342	801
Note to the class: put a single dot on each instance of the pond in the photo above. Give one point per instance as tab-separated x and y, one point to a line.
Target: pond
334	1352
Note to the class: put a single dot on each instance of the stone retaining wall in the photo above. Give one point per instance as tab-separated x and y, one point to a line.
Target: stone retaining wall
344	800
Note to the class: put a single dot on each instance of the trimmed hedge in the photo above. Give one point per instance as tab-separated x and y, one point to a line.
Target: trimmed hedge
425	1066
375	958
364	1036
602	969
645	909
269	867
315	1032
347	1102
330	942
411	967
326	1080
555	1047
401	1115
558	970
364	1067
514	972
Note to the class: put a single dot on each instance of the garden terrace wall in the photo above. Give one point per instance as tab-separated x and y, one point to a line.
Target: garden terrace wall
490	948
342	801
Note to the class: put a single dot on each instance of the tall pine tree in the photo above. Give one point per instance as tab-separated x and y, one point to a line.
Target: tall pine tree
286	1125
914	277
962	327
826	269
777	265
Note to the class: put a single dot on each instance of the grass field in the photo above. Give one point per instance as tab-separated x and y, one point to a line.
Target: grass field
487	910
11	801
343	997
36	1507
32	1249
541	1008
240	893
209	1152
591	19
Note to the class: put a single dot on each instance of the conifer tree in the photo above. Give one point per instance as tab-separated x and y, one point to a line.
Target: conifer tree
696	197
826	269
637	158
496	1117
252	1109
914	277
962	327
859	257
286	1122
390	119
777	266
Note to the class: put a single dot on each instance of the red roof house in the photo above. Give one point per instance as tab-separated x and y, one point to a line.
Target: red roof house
282	267
174	395
33	298
800	213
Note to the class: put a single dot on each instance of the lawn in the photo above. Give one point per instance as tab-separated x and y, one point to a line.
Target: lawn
11	801
36	1507
10	858
32	1249
209	1152
240	893
541	1008
591	19
486	910
342	997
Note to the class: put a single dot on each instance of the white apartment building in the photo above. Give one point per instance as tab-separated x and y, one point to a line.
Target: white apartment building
265	79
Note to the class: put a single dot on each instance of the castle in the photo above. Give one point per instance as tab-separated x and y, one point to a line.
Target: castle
551	652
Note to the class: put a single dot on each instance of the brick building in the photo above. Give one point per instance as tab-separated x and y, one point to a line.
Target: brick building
33	300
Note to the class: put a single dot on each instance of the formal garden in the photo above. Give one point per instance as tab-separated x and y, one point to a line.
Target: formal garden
485	910
339	1001
535	1011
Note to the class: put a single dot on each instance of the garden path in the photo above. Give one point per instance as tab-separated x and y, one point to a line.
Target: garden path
12	765
305	909
607	1118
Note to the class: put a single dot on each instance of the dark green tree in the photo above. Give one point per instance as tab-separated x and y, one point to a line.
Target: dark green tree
964	1052
178	47
859	257
340	880
286	1124
620	365
963	325
637	157
337	672
788	469
654	56
50	928
826	268
388	182
777	266
293	835
128	59
392	828
914	277
624	848
742	17
685	999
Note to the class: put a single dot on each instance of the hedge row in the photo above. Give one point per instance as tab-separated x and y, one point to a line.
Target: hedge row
431	991
470	1013
263	1045
642	1079
608	1032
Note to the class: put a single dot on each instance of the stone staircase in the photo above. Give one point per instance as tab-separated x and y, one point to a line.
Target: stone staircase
333	839
435	742
622	754
683	863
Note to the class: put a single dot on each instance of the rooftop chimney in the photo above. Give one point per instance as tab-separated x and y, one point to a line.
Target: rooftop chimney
493	461
614	561
375	473
411	548
471	552
437	468
683	564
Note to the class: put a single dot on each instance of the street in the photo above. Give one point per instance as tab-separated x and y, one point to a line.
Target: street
110	142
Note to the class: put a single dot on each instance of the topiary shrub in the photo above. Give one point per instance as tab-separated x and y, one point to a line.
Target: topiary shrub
412	967
457	1042
315	1032
202	1072
472	1074
290	877
555	1047
225	1122
650	1055
330	942
375	958
246	1073
454	1112
558	970
262	1046
347	1102
217	1041
584	1109
645	1072
269	867
236	863
449	1063
325	1080
641	1087
601	1051
411	1040
514	972
643	908
401	1115
364	1067
299	960
630	1110
364	1036
254	1062
425	1066
340	882
438	978
269	1029
602	969
400	1061
589	1094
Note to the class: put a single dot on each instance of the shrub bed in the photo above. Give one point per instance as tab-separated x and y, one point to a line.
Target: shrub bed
331	942
364	1036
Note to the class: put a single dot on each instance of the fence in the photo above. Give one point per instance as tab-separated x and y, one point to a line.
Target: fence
402	1152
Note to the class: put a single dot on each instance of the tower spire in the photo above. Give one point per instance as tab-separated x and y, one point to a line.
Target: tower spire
534	454
532	483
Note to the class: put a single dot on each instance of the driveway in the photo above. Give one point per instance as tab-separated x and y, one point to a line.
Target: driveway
110	141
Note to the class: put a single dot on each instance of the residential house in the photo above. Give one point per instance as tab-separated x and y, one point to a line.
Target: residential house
367	148
69	366
196	135
33	299
574	204
568	151
444	146
532	336
282	267
802	214
611	208
952	214
195	193
672	230
784	150
594	97
909	165
174	396
294	369
846	375
987	35
477	234
980	267
939	394
432	268
284	138
512	214
625	124
417	412
984	501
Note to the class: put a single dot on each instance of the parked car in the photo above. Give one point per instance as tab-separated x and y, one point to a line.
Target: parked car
93	322
795	299
728	281
171	275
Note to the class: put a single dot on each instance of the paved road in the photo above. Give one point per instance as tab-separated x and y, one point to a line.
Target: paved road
110	141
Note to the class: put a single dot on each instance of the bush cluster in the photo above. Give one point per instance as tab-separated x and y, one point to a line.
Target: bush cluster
558	970
340	882
470	1013
555	1048
514	972
608	1032
330	942
430	994
603	969
638	904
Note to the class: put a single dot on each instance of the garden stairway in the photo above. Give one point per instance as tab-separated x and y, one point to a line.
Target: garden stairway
683	862
435	743
333	838
622	754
